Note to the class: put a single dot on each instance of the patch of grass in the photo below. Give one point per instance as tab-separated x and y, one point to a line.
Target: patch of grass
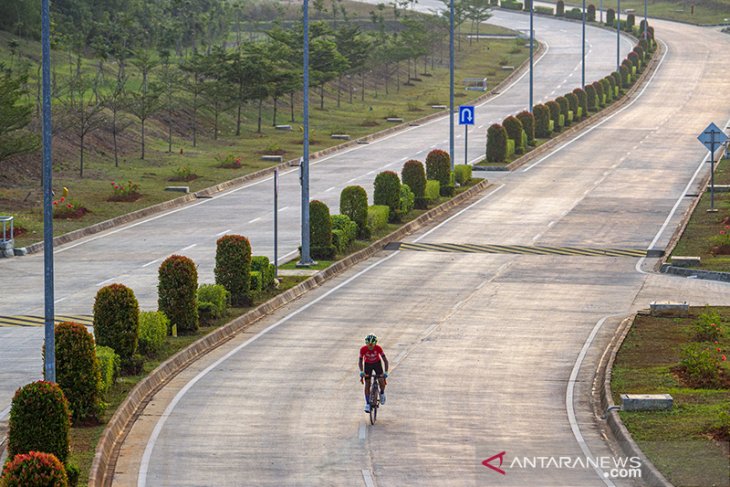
679	442
695	240
85	439
292	265
705	11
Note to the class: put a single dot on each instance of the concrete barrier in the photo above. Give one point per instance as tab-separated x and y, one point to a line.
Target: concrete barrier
685	261
272	158
668	308
178	189
646	402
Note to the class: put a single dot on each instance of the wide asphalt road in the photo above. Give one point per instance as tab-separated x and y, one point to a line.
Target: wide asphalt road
132	254
491	353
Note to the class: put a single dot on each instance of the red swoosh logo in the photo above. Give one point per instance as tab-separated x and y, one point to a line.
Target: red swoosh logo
487	463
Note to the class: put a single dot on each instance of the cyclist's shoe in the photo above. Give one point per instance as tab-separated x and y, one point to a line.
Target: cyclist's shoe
367	407
382	398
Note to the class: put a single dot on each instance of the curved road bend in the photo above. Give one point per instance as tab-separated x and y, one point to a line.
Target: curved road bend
132	254
483	345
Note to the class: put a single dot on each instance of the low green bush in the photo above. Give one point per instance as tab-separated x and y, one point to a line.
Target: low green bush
527	120
407	199
77	371
496	143
40	420
256	282
510	5
354	204
116	320
153	329
574	13
178	286
320	231
344	232
232	265
707	326
463	173
510	147
110	366
414	175
34	469
262	264
542	121
700	365
387	192
433	191
378	216
543	10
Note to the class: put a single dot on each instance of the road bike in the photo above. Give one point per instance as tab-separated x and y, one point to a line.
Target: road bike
374	398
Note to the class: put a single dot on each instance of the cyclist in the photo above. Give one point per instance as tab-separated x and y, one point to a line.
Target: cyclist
371	354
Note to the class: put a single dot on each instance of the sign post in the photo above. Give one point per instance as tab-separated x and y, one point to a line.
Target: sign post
712	137
466	118
276	223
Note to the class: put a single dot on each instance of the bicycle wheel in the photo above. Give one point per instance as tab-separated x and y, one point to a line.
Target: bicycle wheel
373	414
374	401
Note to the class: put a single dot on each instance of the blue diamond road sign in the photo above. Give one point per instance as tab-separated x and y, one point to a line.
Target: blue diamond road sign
712	137
466	115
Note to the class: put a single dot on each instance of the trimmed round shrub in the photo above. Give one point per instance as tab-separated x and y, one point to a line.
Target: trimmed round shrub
462	172
414	175
639	50
591	13
634	59
34	469
607	88
438	167
320	231
610	17
378	215
554	108
624	76
153	326
39	420
387	192
110	367
564	109
616	75
572	104
560	8
650	36
591	97
116	320
513	126
642	43
527	120
354	204
496	143
630	21
582	101
598	87
232	265
77	371
177	290
542	120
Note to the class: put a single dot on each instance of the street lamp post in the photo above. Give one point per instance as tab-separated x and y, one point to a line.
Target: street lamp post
305	259
451	83
532	43
49	365
618	36
646	23
583	50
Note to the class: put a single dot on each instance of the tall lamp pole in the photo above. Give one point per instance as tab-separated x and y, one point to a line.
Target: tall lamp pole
532	43
451	83
49	365
583	50
305	259
618	36
646	23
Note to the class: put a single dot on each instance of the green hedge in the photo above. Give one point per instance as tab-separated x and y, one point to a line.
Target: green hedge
378	216
407	199
354	204
591	13
153	329
232	265
496	143
438	167
610	17
582	102
462	173
433	191
575	14
116	321
564	108
39	421
591	97
554	114
527	120
218	299
77	371
514	129
320	231
542	121
110	366
414	175
344	232
511	5
560	8
178	285
34	469
257	282
262	264
542	10
387	192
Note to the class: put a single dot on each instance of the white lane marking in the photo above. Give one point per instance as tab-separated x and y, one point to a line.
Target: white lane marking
147	455
369	173
403	159
59	300
551	224
481	126
105	281
367	477
4	413
674	209
591	129
329	189
255	220
351	180
152	262
223	232
363	433
569	392
536	237
285	208
187	248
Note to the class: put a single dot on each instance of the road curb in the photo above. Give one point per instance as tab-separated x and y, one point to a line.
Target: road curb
623	441
232	183
582	125
113	436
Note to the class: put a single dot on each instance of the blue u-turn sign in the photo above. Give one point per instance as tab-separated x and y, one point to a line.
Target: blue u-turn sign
466	115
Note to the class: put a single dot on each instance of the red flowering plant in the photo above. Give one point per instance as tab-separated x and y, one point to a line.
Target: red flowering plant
228	162
124	192
707	327
721	241
64	208
702	365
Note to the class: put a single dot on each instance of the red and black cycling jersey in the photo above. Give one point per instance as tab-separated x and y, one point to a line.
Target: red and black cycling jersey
371	356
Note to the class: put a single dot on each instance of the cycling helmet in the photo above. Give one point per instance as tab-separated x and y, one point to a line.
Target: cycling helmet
371	339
